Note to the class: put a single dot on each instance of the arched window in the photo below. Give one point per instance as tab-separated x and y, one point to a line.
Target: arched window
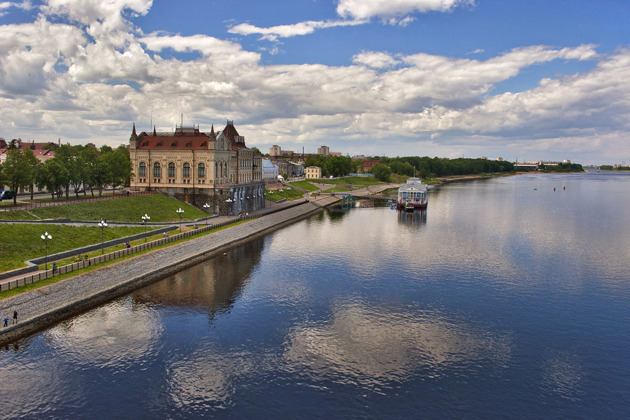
186	170
142	169
171	170
201	170
157	170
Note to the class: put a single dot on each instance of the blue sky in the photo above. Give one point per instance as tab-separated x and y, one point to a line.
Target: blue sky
524	80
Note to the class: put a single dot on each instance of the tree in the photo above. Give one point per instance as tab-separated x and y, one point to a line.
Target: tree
117	167
66	155
89	157
31	160
17	172
338	165
53	176
382	172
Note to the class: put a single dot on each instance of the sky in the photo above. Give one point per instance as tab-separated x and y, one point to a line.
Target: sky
522	80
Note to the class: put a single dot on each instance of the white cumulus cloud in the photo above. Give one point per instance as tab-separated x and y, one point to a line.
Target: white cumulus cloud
287	31
366	9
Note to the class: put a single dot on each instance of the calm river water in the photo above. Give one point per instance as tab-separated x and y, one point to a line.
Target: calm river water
505	299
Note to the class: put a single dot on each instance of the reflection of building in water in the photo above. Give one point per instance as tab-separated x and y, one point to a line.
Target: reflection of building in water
213	284
412	218
335	214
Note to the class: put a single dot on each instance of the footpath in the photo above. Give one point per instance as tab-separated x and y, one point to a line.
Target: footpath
40	307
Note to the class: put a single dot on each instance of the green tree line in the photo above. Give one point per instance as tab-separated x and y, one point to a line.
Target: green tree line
332	165
73	168
426	167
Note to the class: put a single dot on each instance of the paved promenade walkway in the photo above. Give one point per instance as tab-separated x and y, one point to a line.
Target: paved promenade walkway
40	307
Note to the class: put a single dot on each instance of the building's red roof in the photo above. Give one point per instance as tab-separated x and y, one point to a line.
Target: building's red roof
236	140
41	154
166	141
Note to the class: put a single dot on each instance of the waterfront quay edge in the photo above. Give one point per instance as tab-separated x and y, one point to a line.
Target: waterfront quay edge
41	307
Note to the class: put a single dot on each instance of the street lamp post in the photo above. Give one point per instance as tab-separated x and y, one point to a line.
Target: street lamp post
102	224
206	206
180	211
144	222
46	237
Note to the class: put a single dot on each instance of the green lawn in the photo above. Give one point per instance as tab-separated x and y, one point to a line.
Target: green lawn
57	278
356	181
305	185
16	215
127	209
23	242
289	194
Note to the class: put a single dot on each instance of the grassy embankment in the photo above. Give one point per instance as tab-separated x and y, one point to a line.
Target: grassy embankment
305	185
127	209
284	193
21	242
57	278
356	181
347	183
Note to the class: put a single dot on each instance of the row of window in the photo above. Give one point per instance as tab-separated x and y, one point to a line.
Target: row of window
157	170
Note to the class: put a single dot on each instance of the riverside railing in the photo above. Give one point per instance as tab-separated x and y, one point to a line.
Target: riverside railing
46	274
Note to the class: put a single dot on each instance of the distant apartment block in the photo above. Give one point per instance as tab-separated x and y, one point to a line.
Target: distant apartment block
275	150
323	151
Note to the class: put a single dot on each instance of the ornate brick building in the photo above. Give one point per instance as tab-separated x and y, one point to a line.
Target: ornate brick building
217	169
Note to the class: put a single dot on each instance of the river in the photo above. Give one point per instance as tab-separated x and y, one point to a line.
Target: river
506	298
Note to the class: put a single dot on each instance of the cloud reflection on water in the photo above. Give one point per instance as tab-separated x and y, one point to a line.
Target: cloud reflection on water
115	335
563	375
377	345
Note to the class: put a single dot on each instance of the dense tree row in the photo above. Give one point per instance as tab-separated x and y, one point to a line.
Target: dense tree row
332	165
73	167
612	168
563	167
426	167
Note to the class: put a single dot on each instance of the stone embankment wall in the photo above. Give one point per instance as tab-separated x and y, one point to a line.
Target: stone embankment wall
41	307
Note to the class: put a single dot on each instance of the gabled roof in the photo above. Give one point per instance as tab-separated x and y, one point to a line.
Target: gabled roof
236	141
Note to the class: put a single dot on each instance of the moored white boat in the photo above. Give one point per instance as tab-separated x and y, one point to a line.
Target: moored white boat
412	195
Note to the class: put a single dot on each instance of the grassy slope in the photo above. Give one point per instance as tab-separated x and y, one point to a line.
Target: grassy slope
16	215
354	180
128	209
23	242
305	185
289	194
55	279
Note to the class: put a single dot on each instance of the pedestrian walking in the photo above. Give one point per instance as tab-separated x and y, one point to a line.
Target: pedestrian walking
15	314
6	322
